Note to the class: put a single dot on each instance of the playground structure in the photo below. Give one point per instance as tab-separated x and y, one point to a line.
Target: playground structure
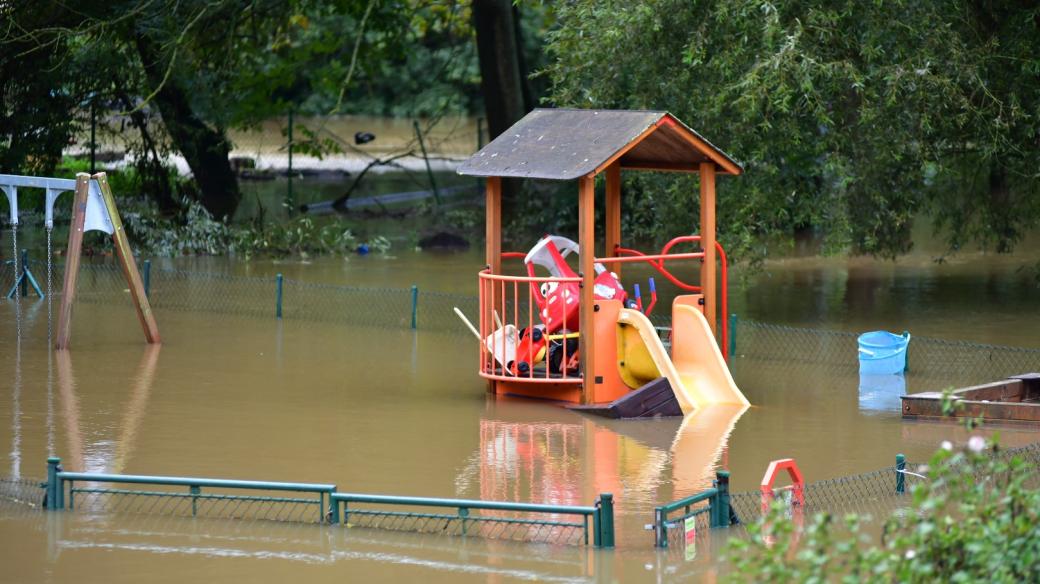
93	209
605	348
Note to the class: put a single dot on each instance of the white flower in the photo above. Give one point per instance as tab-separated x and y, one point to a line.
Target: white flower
976	443
946	445
910	554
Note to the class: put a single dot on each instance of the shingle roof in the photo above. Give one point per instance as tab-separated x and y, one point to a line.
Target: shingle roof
564	144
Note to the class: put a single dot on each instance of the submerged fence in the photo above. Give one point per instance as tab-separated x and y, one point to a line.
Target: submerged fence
322	503
964	361
877	493
934	363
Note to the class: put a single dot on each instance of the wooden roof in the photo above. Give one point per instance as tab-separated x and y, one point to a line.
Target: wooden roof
565	144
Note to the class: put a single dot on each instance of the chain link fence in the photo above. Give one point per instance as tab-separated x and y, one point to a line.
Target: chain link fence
21	492
260	507
933	363
537	528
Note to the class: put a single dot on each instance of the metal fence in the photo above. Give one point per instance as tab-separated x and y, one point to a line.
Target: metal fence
934	362
104	494
877	493
174	289
488	519
21	492
707	509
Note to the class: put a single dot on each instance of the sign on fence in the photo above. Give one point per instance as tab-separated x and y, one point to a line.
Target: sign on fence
690	529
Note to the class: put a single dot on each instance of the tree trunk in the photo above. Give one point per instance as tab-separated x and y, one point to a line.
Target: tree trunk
503	81
205	149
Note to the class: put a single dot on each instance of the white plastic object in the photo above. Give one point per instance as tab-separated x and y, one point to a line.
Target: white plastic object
97	218
502	345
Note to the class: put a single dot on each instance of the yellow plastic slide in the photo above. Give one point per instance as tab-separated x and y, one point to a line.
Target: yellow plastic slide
696	370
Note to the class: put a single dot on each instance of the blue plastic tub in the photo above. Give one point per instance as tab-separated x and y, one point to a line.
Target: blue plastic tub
882	352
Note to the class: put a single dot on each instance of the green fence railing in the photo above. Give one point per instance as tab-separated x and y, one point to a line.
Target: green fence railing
284	501
712	505
186	496
488	519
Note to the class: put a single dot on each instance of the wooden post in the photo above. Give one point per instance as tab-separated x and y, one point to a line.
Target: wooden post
492	246
613	212
72	256
127	262
587	248
707	172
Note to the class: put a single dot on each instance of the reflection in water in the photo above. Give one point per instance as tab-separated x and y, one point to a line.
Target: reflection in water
572	462
880	393
16	393
97	460
135	408
701	445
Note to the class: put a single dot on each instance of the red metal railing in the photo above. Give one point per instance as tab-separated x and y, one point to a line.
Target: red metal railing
507	308
626	255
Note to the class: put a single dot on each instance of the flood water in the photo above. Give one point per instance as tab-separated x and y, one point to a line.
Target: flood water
378	410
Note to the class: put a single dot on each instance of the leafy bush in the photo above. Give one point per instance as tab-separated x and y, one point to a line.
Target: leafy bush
974	519
198	233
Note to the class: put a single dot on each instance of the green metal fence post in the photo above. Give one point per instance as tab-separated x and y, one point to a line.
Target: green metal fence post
24	274
605	504
195	490
660	529
900	475
333	509
415	304
54	491
733	321
278	296
463	514
722	485
147	277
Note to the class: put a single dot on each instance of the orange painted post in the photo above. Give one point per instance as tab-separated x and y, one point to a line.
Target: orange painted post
492	254
493	224
127	262
708	241
587	243
613	212
72	257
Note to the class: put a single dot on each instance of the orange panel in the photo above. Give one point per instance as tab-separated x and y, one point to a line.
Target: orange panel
565	392
610	385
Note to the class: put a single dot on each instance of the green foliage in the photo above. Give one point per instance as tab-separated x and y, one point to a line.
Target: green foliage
851	117
973	520
198	233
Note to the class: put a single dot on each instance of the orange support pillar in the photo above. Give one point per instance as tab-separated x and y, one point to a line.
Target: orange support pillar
493	246
613	212
707	172
587	246
492	249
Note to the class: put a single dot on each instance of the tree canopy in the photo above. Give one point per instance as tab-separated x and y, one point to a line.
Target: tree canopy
851	117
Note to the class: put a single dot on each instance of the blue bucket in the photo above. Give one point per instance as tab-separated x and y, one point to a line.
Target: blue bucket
882	352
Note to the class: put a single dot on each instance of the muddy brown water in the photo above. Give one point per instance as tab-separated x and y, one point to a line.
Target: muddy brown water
377	410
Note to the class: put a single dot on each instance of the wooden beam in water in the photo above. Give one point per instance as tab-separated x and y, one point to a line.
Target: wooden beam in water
72	256
127	262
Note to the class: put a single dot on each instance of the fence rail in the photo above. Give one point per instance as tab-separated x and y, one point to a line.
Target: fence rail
499	520
282	501
712	504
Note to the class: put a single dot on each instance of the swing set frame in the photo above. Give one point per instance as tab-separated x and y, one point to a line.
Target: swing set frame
92	195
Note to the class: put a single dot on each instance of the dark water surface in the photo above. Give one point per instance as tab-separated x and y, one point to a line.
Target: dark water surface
378	410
